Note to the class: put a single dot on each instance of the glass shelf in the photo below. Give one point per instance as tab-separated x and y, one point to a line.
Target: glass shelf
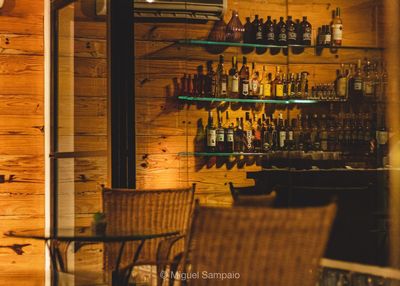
233	44
250	100
217	154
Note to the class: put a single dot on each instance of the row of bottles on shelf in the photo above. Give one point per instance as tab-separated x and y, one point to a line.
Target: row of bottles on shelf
352	80
344	132
280	33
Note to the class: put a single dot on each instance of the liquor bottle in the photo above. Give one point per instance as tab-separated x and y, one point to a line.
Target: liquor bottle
278	84
321	36
183	89
324	133
298	135
299	91
220	134
281	33
304	85
259	32
248	134
337	29
367	135
360	133
211	81
357	91
340	134
306	32
189	86
289	143
238	136
273	123
341	84
229	135
248	36
244	79
269	32
285	85
222	79
233	79
291	31
266	140
315	136
281	130
292	86
332	136
211	134
254	81
257	129
382	138
328	36
368	84
255	25
267	87
201	81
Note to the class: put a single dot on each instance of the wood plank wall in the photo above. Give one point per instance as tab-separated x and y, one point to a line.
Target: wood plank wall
21	139
166	127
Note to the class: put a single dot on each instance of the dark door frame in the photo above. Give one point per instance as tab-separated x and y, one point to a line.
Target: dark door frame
120	82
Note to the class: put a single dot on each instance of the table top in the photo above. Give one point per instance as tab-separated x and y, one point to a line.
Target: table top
86	234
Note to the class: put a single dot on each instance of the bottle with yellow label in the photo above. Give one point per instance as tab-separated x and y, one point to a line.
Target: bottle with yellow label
267	85
278	84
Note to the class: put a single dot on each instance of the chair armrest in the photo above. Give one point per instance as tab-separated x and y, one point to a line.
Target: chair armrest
165	246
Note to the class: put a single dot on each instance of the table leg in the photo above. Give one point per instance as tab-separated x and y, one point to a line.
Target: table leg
121	277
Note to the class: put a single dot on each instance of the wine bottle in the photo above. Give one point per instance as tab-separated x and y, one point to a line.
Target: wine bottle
281	33
306	32
229	135
269	32
220	134
248	134
233	79
291	31
341	84
278	84
211	81
211	134
337	29
222	79
244	79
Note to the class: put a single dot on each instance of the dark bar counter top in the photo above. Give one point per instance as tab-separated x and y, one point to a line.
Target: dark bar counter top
360	232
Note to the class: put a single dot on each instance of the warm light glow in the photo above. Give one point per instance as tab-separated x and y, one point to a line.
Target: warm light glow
150	1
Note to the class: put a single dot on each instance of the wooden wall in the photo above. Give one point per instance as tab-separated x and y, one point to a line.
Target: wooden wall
21	140
166	127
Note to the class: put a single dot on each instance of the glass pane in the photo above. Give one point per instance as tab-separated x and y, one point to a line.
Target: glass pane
81	103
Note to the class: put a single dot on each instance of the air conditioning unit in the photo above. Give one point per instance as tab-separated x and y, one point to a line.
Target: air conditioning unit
173	9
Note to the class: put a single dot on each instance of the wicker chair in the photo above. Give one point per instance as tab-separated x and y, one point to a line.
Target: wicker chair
147	211
276	247
247	196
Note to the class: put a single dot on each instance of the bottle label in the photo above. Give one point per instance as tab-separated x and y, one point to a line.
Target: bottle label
271	36
382	137
337	32
279	90
282	138
358	85
292	36
235	84
307	34
282	36
290	135
368	89
245	86
229	137
221	136
261	90
324	145
259	35
255	86
341	87
230	81
211	137
223	88
248	139
327	39
267	89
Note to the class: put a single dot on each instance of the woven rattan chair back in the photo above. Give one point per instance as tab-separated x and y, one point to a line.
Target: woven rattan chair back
141	211
247	196
264	246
